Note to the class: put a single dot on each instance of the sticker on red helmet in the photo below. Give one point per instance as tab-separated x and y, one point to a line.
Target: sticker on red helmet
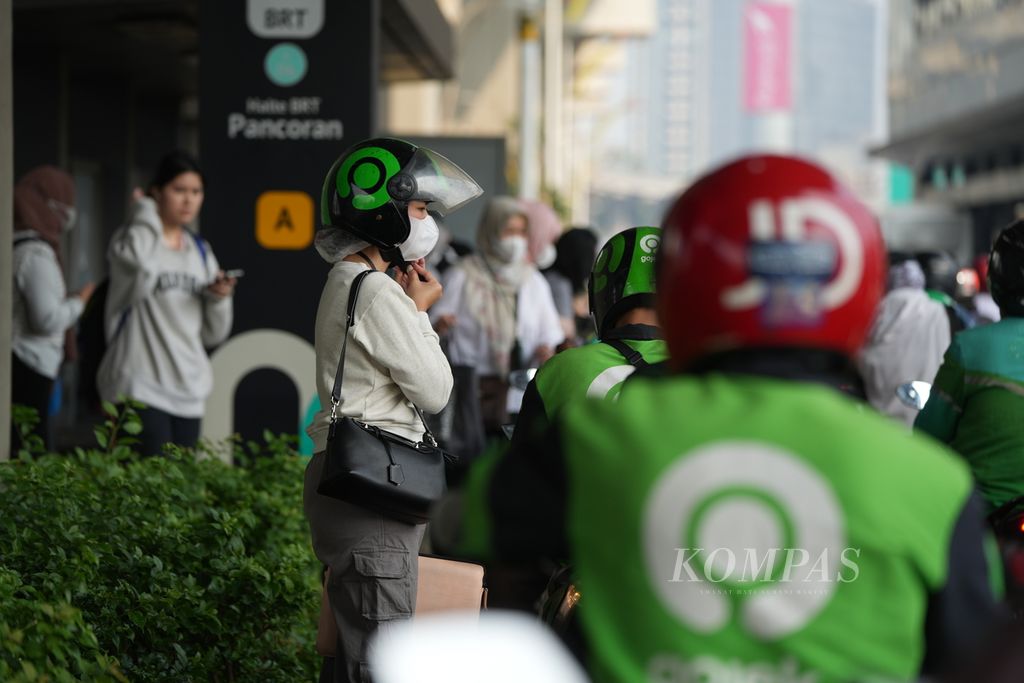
797	215
795	275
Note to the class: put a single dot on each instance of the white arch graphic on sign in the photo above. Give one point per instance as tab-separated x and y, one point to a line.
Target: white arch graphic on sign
255	350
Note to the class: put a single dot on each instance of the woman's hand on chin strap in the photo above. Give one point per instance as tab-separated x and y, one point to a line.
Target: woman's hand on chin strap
419	285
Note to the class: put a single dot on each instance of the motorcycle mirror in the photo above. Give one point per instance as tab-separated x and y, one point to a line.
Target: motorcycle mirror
914	394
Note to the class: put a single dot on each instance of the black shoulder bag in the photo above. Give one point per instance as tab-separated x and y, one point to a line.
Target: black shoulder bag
374	468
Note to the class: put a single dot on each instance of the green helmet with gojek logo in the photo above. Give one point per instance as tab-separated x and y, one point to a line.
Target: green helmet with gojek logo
368	189
623	276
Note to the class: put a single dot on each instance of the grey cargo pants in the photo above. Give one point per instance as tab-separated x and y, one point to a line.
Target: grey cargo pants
374	570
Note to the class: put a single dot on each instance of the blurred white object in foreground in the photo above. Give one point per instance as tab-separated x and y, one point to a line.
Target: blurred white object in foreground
495	646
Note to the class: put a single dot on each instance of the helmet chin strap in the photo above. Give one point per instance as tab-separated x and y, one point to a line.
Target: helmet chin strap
369	261
393	255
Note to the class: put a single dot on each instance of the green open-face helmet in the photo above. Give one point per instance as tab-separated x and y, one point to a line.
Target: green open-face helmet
368	189
623	276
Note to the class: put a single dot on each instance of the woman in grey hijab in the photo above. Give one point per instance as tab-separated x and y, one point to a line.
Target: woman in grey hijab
497	315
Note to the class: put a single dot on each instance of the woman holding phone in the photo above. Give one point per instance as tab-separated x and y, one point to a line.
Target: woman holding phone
168	302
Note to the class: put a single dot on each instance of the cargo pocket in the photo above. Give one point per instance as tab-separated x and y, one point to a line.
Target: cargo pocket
385	584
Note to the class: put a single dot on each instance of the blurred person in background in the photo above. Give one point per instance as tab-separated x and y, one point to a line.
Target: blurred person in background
677	503
44	313
905	343
940	272
977	399
168	301
567	277
496	315
545	229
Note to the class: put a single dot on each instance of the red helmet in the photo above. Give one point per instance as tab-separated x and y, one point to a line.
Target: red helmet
768	251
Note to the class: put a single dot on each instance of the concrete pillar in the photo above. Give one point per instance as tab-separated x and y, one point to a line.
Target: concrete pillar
554	84
6	211
529	117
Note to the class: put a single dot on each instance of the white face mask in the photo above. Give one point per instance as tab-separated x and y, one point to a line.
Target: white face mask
65	213
512	249
546	257
421	240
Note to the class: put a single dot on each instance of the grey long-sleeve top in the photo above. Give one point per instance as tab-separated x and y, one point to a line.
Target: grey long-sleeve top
42	308
160	318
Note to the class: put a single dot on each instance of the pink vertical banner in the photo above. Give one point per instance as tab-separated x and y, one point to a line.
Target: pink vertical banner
767	39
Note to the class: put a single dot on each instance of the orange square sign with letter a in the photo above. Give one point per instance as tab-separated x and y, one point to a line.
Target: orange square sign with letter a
284	220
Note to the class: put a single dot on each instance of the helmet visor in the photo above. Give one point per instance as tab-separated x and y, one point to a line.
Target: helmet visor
439	182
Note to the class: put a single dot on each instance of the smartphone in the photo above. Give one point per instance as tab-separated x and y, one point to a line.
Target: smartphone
236	273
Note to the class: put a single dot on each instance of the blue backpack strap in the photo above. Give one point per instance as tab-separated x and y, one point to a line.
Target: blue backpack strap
200	245
121	322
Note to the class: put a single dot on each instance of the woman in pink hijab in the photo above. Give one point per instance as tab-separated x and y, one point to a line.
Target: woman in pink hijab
44	312
545	229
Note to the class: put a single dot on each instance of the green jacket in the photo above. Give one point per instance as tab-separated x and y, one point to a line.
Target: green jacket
977	406
595	370
743	528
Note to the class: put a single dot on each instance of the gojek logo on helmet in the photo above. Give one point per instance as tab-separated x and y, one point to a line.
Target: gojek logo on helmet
788	263
365	174
649	245
763	535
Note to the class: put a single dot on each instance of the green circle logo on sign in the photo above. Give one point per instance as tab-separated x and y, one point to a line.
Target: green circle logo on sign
285	64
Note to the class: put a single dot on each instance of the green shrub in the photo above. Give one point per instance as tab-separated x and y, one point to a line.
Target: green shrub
45	641
179	568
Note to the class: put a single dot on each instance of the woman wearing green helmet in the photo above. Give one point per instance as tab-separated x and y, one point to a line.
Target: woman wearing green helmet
374	213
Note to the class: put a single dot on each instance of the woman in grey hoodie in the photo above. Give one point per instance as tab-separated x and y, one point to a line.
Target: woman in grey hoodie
44	312
168	302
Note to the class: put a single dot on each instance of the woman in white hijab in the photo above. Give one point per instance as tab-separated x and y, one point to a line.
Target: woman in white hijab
497	315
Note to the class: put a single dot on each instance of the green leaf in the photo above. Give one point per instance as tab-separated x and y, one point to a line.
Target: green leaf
132	427
109	408
101	436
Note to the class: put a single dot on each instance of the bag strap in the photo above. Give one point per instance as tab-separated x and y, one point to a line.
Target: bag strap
350	320
634	357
